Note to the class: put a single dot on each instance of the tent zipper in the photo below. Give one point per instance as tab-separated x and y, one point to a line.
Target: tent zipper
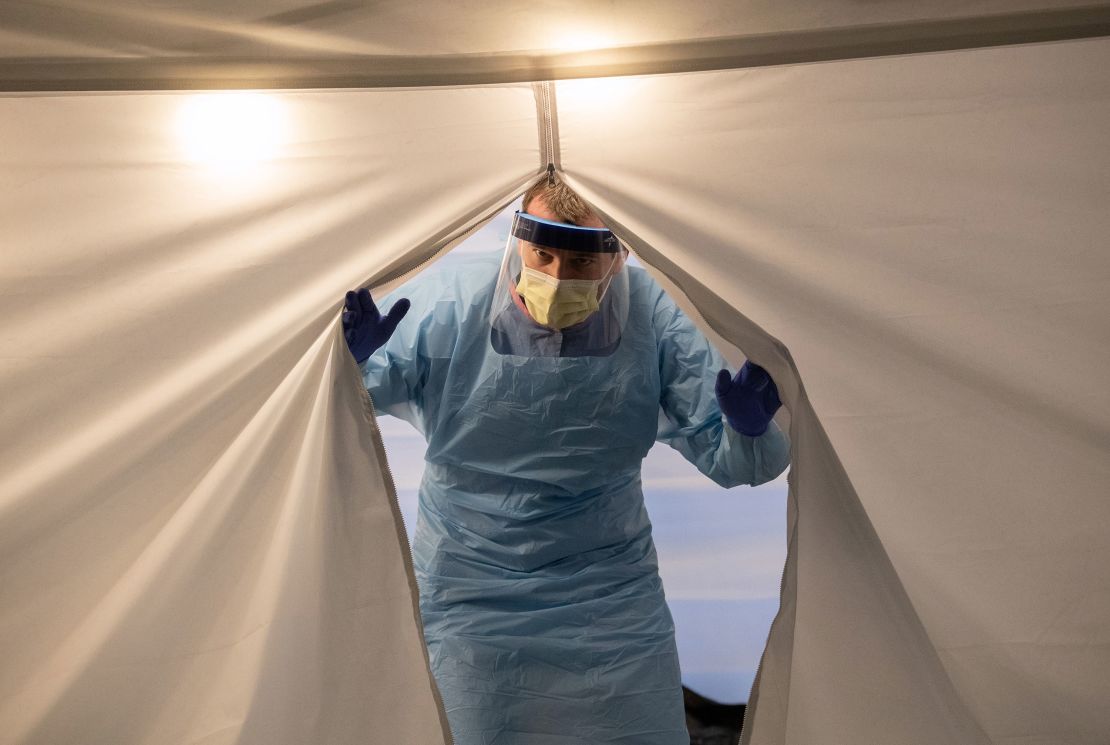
548	119
395	504
749	717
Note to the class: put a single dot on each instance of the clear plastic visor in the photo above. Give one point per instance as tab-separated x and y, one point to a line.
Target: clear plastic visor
562	291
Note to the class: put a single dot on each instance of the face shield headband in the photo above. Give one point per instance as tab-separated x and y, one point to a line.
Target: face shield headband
564	237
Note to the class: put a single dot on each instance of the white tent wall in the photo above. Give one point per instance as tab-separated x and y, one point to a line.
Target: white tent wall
197	542
927	237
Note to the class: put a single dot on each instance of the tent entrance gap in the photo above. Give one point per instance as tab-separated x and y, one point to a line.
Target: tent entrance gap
666	475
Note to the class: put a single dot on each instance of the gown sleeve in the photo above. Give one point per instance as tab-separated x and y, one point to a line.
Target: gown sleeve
690	420
395	373
406	376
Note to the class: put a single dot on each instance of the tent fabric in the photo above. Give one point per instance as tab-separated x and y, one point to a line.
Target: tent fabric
926	236
198	542
197	536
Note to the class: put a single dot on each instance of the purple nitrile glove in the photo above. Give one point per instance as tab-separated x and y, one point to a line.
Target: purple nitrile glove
748	401
364	328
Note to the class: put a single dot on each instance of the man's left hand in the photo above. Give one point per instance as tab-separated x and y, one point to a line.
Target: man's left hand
748	401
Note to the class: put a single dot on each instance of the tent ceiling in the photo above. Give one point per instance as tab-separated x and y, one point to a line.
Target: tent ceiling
78	45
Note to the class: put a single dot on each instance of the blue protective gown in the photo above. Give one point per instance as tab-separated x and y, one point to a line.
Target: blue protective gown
540	595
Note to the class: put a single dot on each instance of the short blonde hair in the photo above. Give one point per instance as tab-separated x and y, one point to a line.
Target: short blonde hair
560	199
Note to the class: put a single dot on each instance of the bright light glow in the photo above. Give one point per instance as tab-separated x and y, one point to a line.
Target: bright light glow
579	41
232	130
591	93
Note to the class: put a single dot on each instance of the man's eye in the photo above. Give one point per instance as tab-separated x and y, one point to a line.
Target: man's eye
584	262
541	254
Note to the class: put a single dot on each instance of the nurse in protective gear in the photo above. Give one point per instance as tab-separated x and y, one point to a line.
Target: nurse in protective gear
540	380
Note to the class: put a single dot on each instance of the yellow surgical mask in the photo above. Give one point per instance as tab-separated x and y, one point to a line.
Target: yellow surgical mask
558	303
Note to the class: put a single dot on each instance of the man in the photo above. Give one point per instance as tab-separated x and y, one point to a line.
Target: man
540	387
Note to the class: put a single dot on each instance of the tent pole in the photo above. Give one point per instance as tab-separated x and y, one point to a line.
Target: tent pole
24	75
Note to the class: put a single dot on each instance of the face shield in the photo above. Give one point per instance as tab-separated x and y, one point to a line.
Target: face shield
562	291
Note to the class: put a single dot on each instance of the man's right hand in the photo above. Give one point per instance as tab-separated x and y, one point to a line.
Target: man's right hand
364	327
